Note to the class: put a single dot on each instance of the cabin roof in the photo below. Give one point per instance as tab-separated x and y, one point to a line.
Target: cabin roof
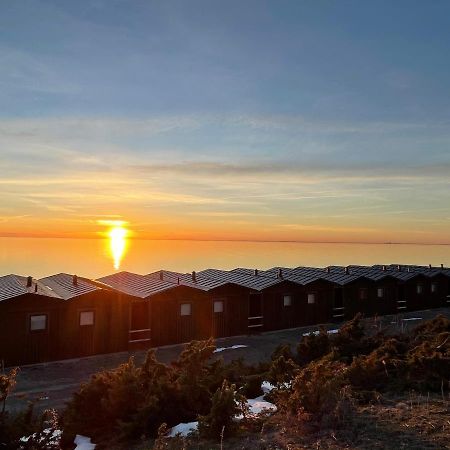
16	285
286	274
408	268
201	282
136	285
10	287
303	275
355	272
255	282
63	286
377	272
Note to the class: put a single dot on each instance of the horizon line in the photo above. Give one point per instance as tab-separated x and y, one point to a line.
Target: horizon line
292	241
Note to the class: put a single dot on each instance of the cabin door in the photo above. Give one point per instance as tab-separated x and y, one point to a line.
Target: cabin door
139	335
255	313
37	348
401	300
186	329
219	324
38	342
287	311
338	305
86	341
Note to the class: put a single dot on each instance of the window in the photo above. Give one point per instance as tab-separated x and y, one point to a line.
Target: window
311	299
434	287
287	300
38	322
218	306
185	309
363	294
380	292
86	318
419	288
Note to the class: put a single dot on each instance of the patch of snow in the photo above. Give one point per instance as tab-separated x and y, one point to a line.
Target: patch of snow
267	387
316	333
53	436
183	429
83	443
221	349
258	405
255	406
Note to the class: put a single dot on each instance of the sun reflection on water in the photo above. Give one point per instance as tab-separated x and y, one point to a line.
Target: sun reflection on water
117	239
118	244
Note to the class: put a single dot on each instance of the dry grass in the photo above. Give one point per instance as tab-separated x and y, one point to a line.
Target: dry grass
413	422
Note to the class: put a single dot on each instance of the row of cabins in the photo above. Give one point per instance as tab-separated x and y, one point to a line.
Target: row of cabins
65	316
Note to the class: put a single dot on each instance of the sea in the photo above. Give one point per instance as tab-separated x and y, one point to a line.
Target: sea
94	258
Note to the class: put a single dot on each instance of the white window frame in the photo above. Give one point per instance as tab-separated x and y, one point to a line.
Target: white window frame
311	298
32	329
287	300
222	306
183	312
82	322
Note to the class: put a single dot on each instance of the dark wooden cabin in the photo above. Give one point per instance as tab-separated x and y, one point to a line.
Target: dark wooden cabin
134	293
373	297
29	321
268	301
65	316
200	307
91	320
436	288
296	297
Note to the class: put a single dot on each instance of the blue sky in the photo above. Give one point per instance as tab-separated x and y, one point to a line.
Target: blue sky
272	120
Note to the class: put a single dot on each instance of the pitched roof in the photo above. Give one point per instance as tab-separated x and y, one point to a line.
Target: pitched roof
255	282
201	282
378	272
428	271
333	274
62	284
136	285
16	285
10	287
305	275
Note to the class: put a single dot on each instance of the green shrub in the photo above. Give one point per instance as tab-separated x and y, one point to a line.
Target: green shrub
252	386
46	437
281	371
313	346
318	388
437	325
349	340
7	384
382	367
220	421
282	350
131	400
26	423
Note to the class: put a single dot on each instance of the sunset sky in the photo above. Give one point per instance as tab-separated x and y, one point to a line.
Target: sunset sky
301	120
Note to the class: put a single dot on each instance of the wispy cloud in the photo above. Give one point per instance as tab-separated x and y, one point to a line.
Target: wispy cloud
139	169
